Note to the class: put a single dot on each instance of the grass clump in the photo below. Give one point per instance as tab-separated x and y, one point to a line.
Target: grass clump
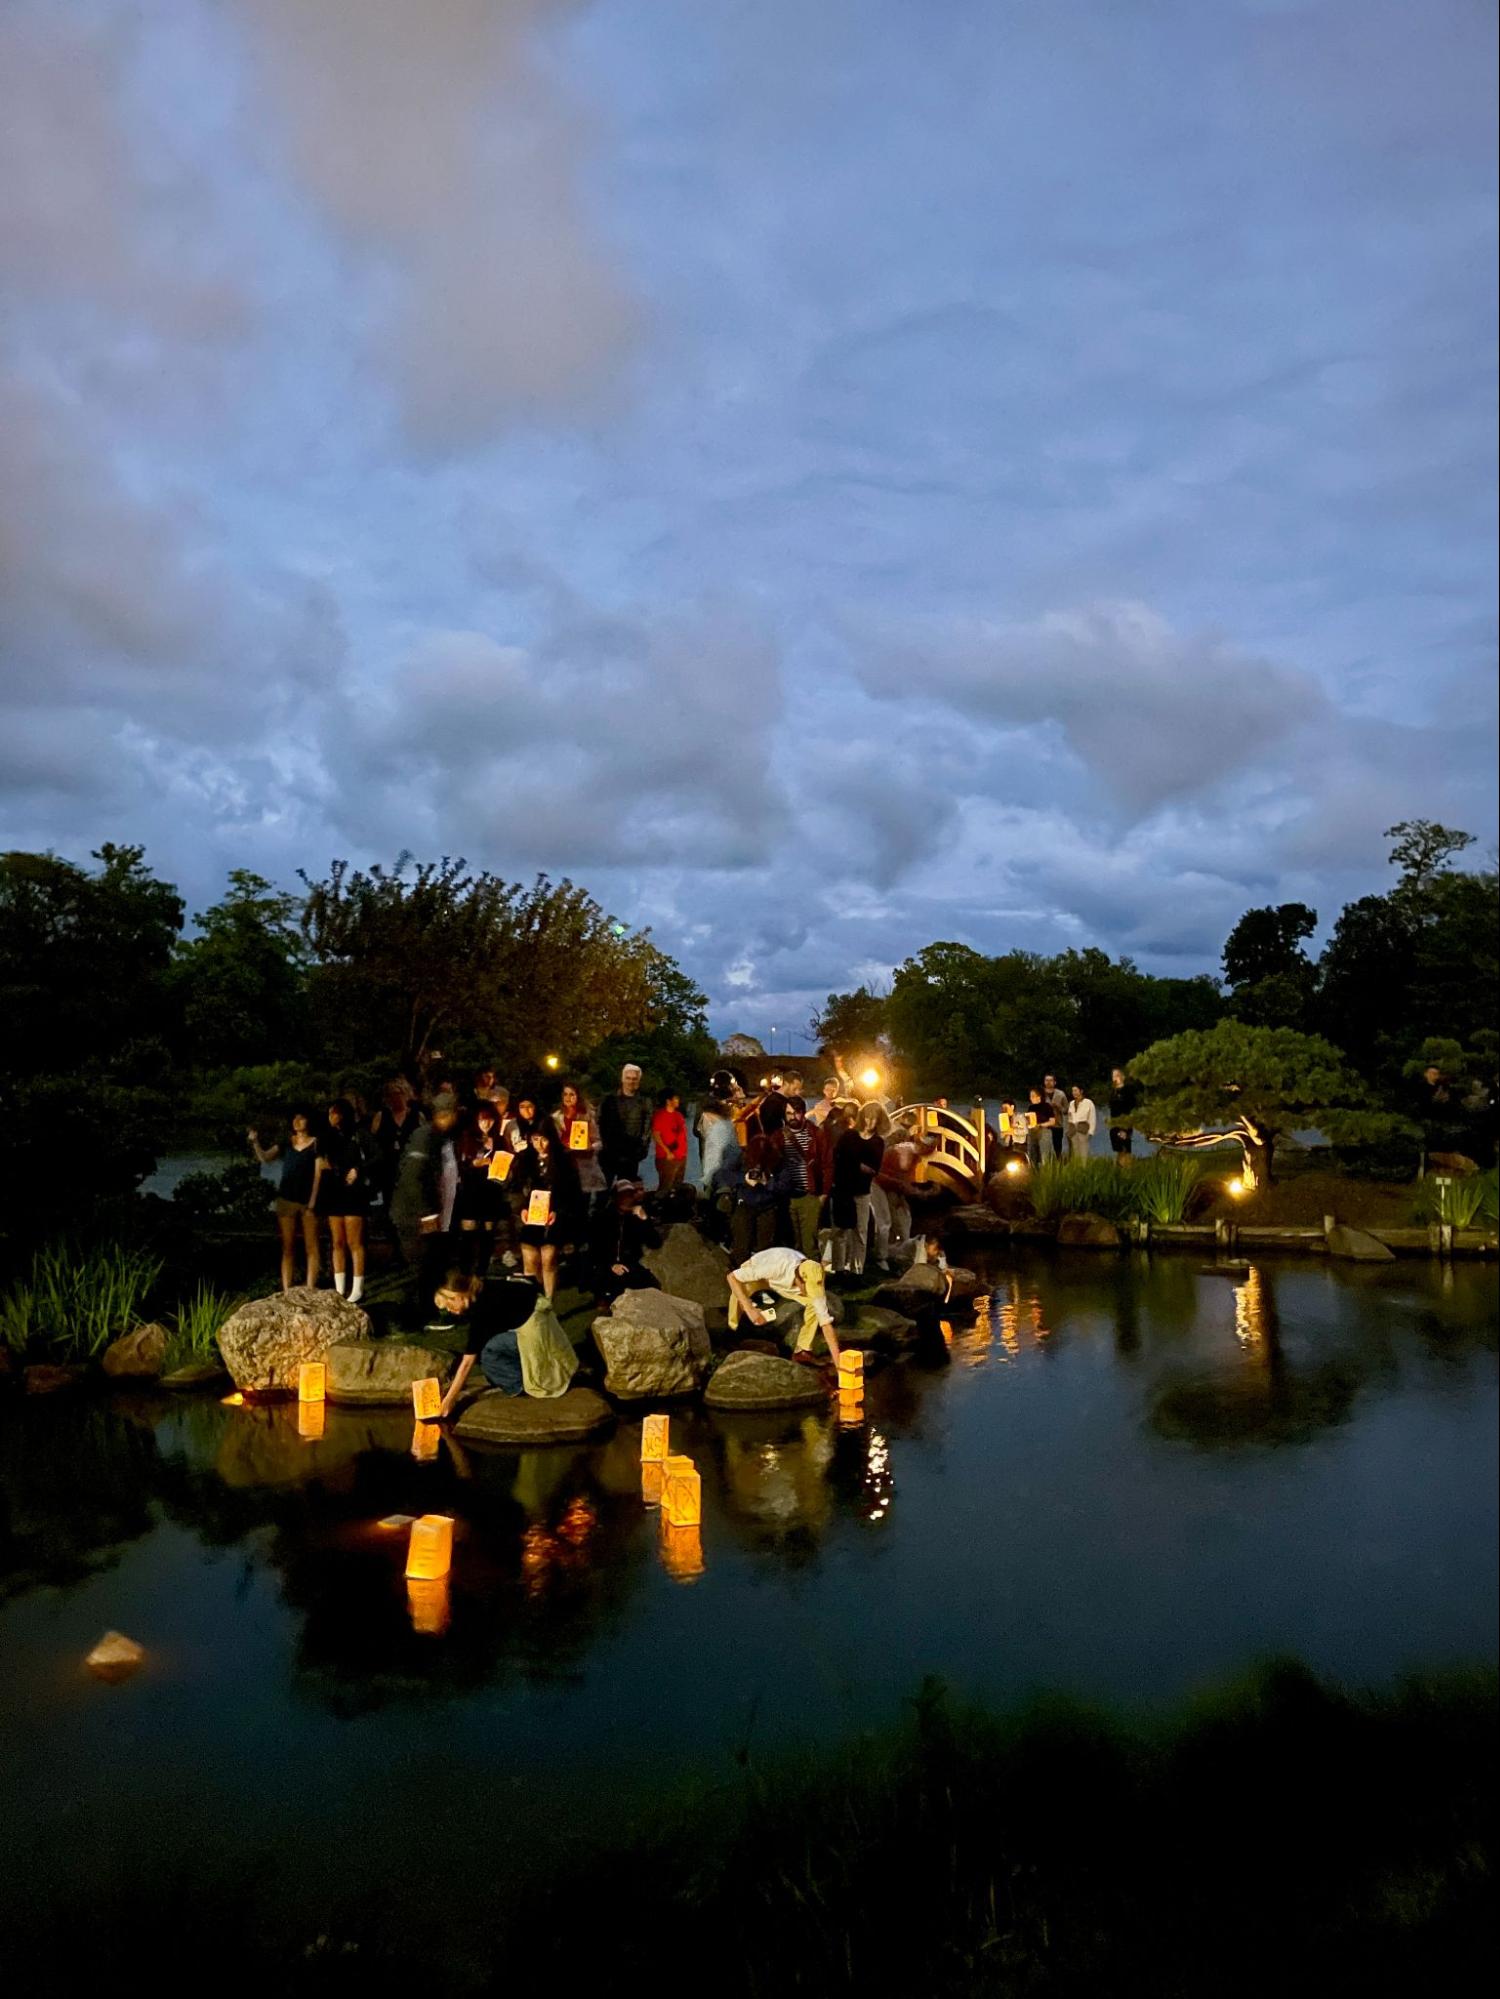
1162	1188
1464	1202
195	1330
1080	1186
77	1298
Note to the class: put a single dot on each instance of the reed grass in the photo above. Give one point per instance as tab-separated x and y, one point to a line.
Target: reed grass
77	1298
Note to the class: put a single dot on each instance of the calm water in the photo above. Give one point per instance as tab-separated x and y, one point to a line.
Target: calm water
1135	1478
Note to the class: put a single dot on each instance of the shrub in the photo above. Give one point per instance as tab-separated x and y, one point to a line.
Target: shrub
237	1197
1162	1189
77	1299
195	1335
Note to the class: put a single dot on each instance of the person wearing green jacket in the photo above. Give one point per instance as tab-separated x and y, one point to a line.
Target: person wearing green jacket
514	1334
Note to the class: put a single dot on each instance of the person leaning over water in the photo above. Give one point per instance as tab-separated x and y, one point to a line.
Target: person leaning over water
513	1334
790	1275
298	1153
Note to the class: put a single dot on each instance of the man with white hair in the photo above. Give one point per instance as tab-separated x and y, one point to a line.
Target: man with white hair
625	1128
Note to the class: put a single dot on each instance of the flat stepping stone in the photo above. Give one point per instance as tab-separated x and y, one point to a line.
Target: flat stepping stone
1357	1246
875	1322
977	1219
196	1374
497	1418
380	1372
762	1381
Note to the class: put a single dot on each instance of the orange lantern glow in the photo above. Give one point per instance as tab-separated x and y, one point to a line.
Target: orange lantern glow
312	1417
235	1401
426	1443
851	1366
538	1208
681	1493
312	1381
429	1552
656	1440
681	1551
947	1330
428	1606
653	1478
427	1399
851	1411
115	1657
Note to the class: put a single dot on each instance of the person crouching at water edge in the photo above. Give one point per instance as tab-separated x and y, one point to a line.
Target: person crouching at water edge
790	1275
513	1333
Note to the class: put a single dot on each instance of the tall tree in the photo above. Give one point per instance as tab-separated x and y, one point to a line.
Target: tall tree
1270	977
851	1023
240	983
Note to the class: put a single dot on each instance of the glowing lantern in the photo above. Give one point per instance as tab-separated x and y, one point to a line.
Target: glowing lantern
851	1368
653	1478
115	1657
427	1605
429	1552
235	1401
312	1418
501	1164
681	1551
871	1079
538	1209
656	1445
427	1399
681	1493
426	1442
551	1061
312	1381
578	1134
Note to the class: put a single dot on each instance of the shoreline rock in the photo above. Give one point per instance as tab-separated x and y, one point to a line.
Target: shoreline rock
266	1341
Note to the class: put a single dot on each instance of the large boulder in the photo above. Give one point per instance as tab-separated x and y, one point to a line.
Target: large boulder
761	1381
653	1345
688	1267
875	1322
1087	1231
517	1420
977	1218
265	1342
1357	1246
136	1356
382	1371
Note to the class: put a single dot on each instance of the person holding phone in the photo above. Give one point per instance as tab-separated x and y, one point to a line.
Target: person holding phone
298	1153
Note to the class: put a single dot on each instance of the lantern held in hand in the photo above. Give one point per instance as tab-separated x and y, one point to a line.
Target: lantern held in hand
656	1440
429	1552
427	1399
312	1381
681	1493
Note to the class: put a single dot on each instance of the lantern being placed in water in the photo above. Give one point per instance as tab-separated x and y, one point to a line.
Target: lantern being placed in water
656	1440
681	1551
681	1493
429	1552
312	1418
427	1604
851	1367
312	1381
427	1399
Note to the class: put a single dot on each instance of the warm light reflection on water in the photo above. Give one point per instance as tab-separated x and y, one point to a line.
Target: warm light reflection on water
1251	1310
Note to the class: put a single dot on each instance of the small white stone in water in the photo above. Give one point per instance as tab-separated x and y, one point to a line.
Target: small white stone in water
115	1656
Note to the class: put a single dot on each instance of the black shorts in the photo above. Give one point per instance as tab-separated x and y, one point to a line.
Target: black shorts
1119	1137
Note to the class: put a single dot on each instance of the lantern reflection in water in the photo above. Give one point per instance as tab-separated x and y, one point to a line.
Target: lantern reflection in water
426	1442
429	1552
653	1478
427	1604
549	1553
656	1444
879	1486
312	1381
681	1493
426	1399
1251	1317
235	1401
851	1408
681	1551
311	1420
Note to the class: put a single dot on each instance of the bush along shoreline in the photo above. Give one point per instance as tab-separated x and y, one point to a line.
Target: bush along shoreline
1281	1835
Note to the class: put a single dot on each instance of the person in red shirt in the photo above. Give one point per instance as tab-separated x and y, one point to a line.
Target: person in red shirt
669	1135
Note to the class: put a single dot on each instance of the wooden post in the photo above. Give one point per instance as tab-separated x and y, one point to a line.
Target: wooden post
979	1140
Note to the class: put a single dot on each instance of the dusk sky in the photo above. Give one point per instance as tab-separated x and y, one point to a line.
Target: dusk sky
826	475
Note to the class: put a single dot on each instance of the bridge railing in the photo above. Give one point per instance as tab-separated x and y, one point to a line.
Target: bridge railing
957	1162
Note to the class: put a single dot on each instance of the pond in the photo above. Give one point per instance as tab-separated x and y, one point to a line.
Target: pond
1137	1476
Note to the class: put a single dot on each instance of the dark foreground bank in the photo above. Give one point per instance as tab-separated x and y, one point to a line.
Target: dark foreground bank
1281	1836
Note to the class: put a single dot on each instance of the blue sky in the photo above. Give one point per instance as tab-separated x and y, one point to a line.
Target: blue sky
828	478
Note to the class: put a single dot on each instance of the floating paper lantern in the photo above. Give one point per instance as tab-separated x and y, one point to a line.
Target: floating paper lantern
427	1604
429	1552
396	1520
656	1440
115	1657
681	1493
312	1381
427	1399
851	1366
653	1478
426	1442
681	1551
235	1401
312	1418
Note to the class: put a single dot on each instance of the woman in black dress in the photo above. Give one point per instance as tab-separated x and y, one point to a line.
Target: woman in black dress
482	1206
341	1195
548	1201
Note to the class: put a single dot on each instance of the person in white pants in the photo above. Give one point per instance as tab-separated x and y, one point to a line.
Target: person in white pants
1083	1121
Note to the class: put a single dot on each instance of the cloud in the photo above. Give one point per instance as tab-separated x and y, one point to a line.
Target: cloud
1154	715
437	142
